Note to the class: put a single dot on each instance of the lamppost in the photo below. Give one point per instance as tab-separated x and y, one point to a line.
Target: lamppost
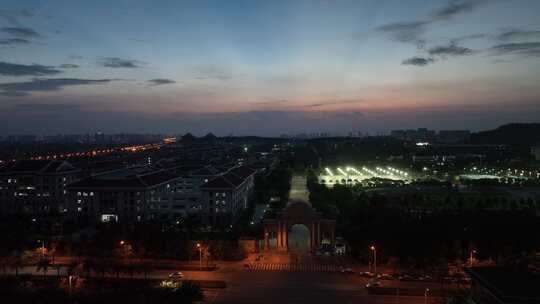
200	255
374	259
42	248
471	258
425	295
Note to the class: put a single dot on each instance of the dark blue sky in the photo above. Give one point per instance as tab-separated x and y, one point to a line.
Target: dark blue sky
267	67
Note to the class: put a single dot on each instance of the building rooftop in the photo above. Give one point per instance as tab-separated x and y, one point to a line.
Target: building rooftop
219	182
242	171
39	166
131	180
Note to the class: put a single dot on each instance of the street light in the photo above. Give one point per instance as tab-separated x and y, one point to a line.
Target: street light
122	242
425	295
200	255
374	259
473	252
42	248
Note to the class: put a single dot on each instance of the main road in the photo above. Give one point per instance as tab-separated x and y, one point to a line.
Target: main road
299	189
284	286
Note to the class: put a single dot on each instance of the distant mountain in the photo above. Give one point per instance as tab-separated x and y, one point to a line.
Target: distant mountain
518	134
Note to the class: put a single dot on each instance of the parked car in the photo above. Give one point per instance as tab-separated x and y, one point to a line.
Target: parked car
373	283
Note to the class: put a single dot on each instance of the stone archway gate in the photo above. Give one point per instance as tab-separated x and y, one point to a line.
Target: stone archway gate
298	212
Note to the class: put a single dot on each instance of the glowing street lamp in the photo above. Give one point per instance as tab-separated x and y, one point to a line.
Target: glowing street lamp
42	248
372	248
471	258
200	255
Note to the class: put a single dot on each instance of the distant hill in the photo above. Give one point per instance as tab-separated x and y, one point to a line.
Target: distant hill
518	134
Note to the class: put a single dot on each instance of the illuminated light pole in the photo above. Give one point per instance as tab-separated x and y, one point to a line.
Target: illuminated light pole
471	257
374	260
200	255
42	248
426	295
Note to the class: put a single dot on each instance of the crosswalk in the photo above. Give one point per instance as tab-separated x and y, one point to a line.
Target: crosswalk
293	267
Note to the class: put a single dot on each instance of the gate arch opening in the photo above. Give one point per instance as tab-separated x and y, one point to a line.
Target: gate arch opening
299	238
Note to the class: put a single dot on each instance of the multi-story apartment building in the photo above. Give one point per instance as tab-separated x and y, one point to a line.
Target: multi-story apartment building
127	195
186	198
35	187
226	195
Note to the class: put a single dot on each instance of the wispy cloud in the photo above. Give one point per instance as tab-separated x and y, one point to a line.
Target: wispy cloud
470	37
116	62
417	61
45	85
13	41
69	66
453	49
523	49
332	102
456	7
12	69
407	32
20	32
414	32
160	81
518	34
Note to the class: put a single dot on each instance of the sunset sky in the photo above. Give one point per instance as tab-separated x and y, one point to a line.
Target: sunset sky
267	67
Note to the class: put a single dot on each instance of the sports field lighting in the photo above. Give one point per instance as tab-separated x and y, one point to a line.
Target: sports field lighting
355	171
329	171
341	171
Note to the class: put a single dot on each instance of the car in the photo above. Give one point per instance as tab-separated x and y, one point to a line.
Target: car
366	274
373	284
405	277
347	270
385	276
176	275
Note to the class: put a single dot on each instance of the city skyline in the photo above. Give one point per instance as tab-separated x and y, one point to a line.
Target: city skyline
267	68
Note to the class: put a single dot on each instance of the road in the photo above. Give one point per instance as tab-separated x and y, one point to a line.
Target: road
301	287
299	188
287	287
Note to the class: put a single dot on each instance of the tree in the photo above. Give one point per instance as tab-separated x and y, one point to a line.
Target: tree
16	261
43	264
88	265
